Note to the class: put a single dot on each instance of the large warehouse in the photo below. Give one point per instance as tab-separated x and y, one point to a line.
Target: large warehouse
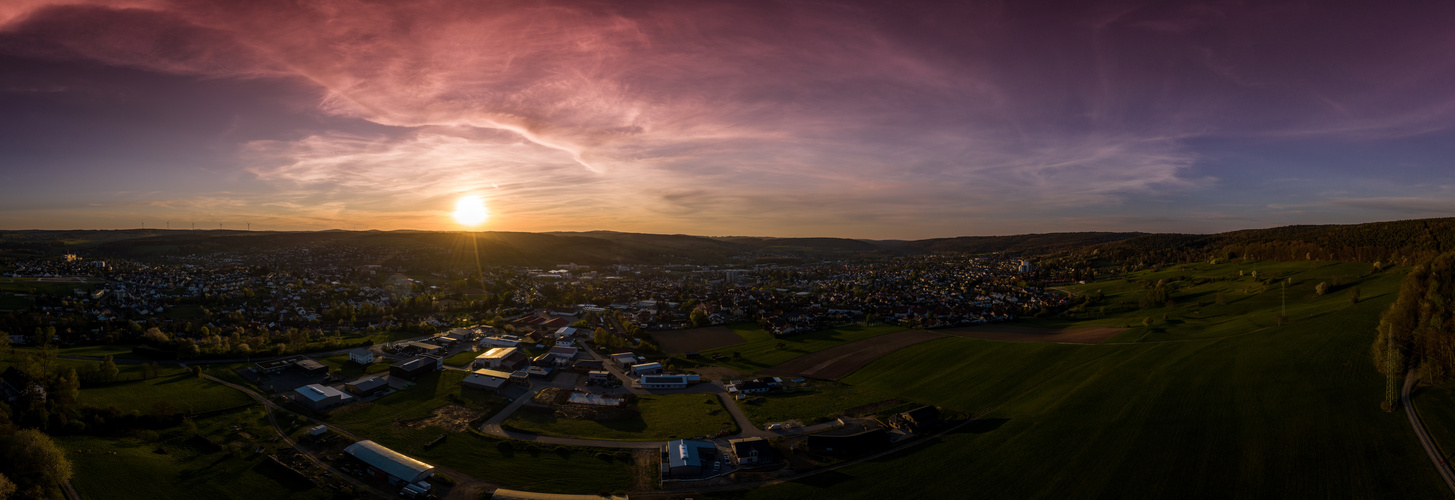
386	462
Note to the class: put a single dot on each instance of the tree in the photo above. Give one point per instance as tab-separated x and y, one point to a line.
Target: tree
35	462
108	369
1354	295
7	488
698	318
154	336
68	387
1321	288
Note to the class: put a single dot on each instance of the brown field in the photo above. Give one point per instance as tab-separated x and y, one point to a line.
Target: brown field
1080	335
839	361
696	339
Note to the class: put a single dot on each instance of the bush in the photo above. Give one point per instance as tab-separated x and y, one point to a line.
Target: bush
444	479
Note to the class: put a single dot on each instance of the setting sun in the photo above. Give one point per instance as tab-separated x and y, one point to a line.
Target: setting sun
471	211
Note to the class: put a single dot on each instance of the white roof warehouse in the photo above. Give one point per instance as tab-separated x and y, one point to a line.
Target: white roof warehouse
393	463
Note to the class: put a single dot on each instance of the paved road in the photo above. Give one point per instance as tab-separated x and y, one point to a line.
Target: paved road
1431	449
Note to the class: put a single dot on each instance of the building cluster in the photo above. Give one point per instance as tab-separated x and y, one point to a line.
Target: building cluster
341	290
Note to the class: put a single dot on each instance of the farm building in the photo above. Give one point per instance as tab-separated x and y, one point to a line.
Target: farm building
311	366
598	376
416	367
588	365
665	381
917	420
366	387
850	440
686	458
276	365
625	359
361	356
424	348
457	335
504	494
501	341
319	397
15	383
500	358
752	452
385	462
489	380
646	369
564	351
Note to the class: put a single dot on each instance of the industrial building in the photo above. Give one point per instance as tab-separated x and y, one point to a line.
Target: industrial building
389	464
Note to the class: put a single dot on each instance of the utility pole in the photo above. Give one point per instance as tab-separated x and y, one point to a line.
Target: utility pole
1283	309
169	225
250	226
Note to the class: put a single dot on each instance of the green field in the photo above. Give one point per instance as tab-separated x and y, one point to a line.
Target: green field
761	349
661	417
461	358
482	457
521	465
350	370
822	400
10	302
184	392
1289	411
168	466
376	419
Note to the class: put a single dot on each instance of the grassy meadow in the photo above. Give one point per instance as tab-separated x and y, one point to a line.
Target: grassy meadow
183	392
662	417
761	349
172	465
1217	403
823	399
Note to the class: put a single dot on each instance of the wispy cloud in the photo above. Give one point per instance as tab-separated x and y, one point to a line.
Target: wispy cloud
721	116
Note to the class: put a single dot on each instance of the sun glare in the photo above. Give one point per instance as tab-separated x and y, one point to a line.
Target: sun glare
471	211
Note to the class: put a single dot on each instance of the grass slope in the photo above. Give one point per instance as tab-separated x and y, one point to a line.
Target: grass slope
183	392
1287	412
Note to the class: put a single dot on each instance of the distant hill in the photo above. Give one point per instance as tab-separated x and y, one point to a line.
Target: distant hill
1390	241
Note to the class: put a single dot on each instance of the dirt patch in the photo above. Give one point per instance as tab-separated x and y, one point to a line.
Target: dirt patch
696	339
453	418
555	401
836	362
718	373
1079	335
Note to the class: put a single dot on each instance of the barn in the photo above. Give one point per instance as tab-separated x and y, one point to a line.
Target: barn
390	464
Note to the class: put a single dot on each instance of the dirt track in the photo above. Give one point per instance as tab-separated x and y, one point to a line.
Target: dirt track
836	362
696	339
1083	335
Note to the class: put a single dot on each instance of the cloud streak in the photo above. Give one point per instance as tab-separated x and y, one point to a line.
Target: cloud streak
708	116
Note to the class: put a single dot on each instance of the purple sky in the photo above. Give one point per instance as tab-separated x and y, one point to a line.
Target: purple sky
872	120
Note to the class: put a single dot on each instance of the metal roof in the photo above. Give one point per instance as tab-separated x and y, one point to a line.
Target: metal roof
318	392
390	461
683	453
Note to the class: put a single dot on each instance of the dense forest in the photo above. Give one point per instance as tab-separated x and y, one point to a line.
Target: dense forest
1418	330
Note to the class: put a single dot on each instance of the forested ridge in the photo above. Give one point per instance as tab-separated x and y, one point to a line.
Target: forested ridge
1418	330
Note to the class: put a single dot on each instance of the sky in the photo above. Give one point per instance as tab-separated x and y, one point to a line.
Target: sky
883	120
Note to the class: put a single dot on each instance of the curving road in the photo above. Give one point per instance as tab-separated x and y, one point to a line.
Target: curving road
1431	448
